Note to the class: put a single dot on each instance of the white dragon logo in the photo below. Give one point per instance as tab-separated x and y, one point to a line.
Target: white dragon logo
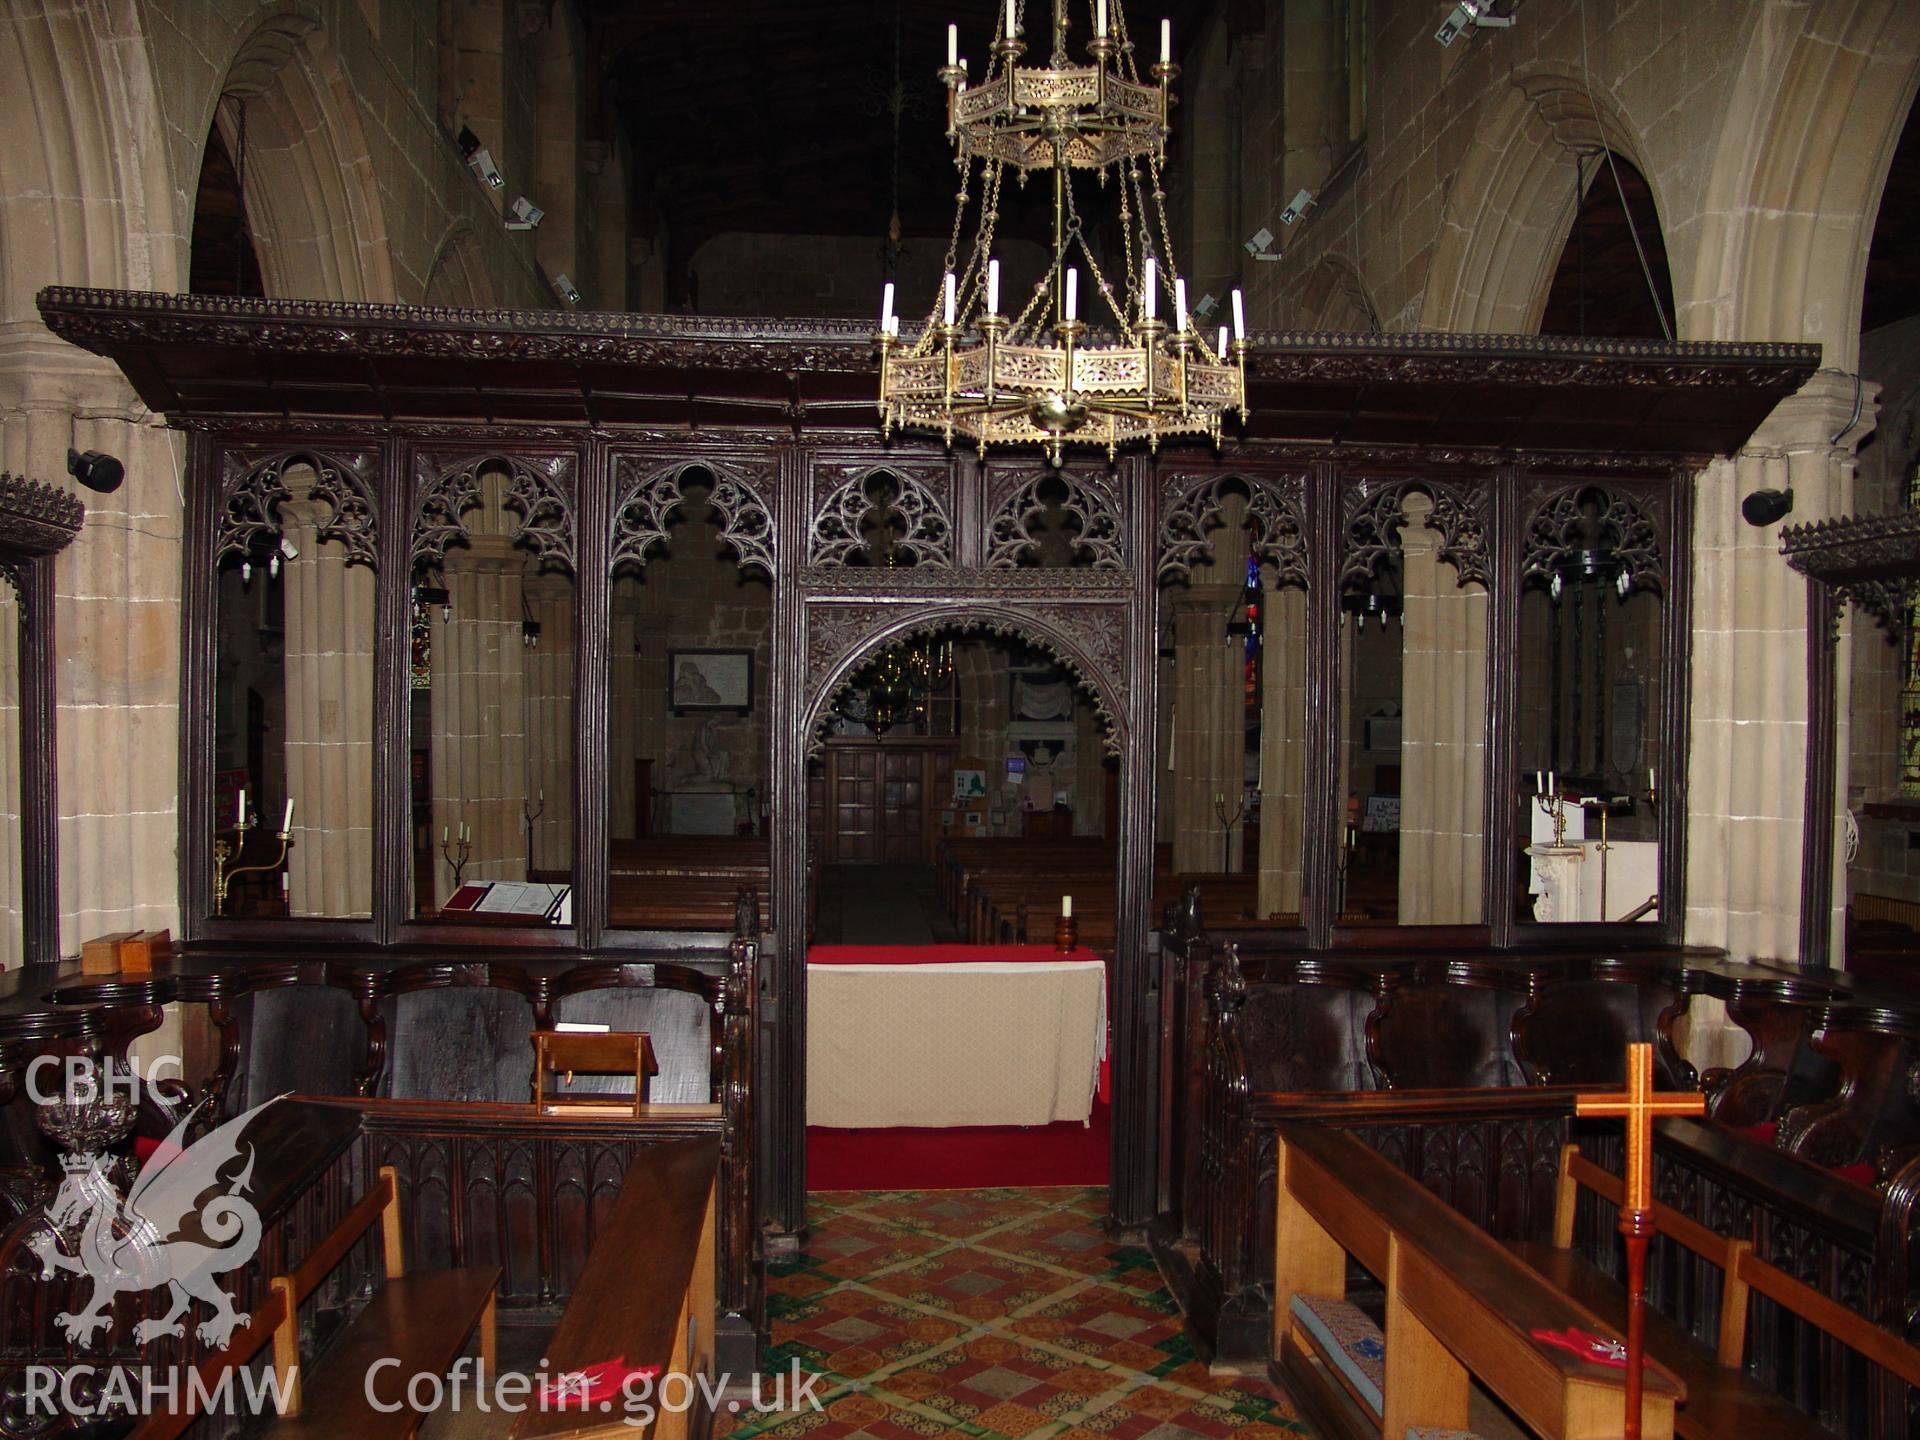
181	1225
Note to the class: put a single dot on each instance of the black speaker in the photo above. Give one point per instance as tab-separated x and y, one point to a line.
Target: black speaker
1764	507
95	470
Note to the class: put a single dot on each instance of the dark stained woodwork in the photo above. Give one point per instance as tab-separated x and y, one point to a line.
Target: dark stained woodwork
303	1185
650	1280
37	522
785	410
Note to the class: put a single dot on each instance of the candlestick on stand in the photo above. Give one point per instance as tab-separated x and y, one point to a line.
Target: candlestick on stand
1638	1106
461	846
530	812
1227	822
223	851
1066	930
1604	804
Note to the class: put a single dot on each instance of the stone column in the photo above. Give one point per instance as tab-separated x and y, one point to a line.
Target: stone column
1210	728
479	711
1283	749
1443	711
548	668
328	670
1749	711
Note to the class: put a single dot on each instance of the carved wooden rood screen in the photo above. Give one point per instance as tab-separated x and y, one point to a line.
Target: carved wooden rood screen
428	439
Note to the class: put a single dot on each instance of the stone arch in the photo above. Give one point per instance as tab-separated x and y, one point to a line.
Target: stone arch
459	279
311	196
1512	202
85	171
874	630
1335	297
1797	176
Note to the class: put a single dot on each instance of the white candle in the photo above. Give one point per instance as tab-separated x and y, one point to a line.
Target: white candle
1539	783
1066	907
286	820
1011	22
1166	42
240	809
1179	305
1100	18
1149	303
993	287
1223	342
949	302
1073	293
1650	785
1239	316
1551	787
886	309
444	836
953	45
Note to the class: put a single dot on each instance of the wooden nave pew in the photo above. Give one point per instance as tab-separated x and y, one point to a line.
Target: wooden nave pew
1458	1308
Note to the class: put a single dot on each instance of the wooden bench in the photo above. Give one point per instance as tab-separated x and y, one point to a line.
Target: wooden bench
646	1298
1458	1305
1721	1400
422	1320
241	1346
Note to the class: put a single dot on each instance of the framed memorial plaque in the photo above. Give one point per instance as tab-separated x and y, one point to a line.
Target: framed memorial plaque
710	680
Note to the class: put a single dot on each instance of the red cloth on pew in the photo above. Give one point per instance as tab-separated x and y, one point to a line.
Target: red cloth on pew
1860	1173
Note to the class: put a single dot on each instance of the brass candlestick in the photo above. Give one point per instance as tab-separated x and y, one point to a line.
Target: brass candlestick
1552	806
223	877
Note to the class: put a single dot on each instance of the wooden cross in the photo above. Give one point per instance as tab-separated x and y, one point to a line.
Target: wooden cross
1638	1106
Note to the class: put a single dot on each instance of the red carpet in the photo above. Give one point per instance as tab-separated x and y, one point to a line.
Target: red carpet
960	1159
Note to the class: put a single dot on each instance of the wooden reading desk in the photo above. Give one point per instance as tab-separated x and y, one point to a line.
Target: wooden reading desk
1458	1305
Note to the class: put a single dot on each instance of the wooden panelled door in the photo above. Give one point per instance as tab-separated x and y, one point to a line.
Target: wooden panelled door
882	798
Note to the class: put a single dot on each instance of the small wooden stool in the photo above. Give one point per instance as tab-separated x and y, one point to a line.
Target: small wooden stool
615	1052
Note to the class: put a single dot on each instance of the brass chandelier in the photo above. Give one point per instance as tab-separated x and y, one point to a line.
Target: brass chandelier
1042	376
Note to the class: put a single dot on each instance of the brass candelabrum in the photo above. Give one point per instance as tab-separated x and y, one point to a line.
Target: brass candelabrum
223	876
1555	809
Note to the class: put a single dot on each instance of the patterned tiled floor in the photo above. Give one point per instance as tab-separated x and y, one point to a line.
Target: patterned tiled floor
990	1313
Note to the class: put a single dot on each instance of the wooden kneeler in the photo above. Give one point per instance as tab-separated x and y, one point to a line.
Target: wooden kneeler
617	1052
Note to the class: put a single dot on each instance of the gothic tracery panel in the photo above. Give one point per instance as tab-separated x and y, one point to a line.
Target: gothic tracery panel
538	488
646	509
1080	514
880	517
1274	516
251	497
1376	515
1581	518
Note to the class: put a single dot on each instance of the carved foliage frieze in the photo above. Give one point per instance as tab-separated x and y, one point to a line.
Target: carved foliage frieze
1085	504
895	511
540	488
1872	561
1377	513
1275	519
648	502
253	490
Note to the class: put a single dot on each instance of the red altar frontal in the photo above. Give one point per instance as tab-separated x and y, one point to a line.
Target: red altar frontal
953	1035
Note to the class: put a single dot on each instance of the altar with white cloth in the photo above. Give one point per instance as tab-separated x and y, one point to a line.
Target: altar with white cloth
953	1035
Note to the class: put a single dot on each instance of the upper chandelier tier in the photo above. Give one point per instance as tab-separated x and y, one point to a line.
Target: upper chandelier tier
1040	376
